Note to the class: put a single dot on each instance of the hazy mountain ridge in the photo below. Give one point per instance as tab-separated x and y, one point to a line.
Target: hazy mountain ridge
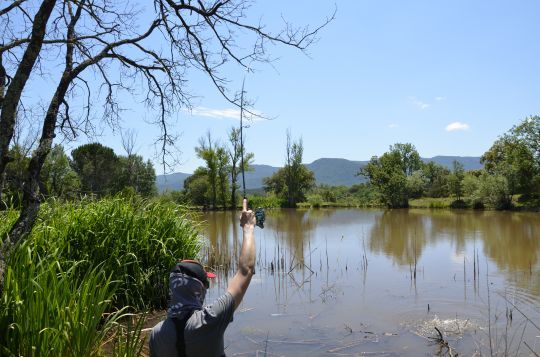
329	171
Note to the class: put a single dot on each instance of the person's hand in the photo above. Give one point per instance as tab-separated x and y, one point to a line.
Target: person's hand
247	219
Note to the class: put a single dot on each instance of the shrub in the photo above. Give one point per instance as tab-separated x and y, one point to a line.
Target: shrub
268	201
315	200
458	204
493	190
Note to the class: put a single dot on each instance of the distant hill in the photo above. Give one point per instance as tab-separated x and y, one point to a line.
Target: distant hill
171	182
337	172
469	162
327	171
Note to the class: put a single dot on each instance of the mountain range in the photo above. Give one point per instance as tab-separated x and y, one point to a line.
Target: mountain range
327	171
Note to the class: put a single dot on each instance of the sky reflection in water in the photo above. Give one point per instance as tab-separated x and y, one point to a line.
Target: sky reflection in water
314	295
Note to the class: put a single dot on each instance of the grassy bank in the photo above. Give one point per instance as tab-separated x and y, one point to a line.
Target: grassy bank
83	267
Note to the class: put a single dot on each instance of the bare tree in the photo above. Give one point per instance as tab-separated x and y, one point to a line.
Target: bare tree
129	140
108	47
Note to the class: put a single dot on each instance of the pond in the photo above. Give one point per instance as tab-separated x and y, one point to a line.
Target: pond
348	282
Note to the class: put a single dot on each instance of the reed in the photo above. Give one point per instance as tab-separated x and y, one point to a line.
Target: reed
86	264
135	241
48	310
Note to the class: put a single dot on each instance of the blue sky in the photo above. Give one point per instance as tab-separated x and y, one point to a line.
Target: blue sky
447	76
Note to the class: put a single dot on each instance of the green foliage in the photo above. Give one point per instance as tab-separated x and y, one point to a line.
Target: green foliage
455	180
15	175
390	174
387	176
436	179
135	241
295	180
410	159
207	152
135	173
493	191
236	150
222	159
270	200
416	184
53	309
59	179
84	260
129	341
290	188
315	200
528	132
197	188
511	158
97	167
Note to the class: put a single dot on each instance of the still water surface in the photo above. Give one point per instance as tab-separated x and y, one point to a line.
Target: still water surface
341	282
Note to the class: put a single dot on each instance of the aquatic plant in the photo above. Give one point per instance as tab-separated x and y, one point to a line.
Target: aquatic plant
135	241
83	265
50	310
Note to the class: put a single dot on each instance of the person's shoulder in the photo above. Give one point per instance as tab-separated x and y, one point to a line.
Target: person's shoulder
222	304
221	311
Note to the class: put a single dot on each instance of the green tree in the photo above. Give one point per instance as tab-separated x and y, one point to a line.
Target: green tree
222	171
278	183
528	132
386	174
293	181
410	159
134	172
235	155
493	191
512	158
416	184
14	175
207	152
436	177
197	187
59	179
97	167
455	180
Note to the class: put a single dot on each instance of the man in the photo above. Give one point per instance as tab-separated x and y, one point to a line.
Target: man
191	330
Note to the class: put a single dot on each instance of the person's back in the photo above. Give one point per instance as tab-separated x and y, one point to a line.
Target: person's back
200	330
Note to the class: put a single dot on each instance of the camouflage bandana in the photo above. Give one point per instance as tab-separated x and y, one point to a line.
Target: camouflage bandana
186	294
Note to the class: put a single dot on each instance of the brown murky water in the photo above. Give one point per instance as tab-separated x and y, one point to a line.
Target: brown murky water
350	282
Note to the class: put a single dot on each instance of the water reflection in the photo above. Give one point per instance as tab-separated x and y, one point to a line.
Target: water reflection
312	260
509	239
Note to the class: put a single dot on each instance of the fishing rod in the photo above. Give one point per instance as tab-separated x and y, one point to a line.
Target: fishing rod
259	212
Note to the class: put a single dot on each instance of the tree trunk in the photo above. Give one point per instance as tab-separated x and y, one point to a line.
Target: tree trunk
11	100
31	196
15	89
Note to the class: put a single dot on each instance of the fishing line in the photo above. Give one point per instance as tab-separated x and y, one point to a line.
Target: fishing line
259	212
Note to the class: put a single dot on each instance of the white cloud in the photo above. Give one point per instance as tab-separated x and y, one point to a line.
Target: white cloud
440	99
392	126
228	113
421	105
455	126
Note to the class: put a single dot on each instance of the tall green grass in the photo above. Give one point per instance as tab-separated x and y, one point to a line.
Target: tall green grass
136	241
83	265
47	310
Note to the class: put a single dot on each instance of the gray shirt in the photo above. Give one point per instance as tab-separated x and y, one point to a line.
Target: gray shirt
203	334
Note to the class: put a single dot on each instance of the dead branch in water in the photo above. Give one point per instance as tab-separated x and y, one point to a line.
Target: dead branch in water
443	343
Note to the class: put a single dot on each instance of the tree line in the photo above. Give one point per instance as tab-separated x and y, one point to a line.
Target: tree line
93	169
511	168
217	184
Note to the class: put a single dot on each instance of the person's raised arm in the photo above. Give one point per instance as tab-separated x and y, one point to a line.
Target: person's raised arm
246	263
